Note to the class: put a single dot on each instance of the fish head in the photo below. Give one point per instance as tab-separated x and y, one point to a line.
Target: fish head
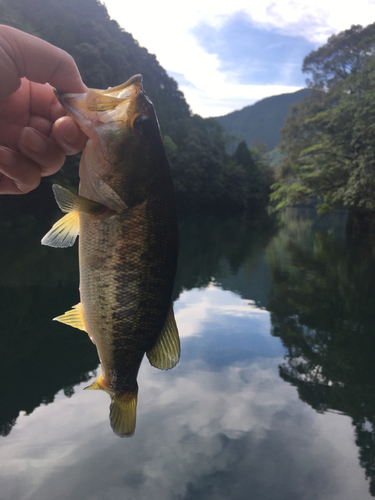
125	150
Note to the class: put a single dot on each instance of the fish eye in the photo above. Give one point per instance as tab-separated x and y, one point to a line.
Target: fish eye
142	125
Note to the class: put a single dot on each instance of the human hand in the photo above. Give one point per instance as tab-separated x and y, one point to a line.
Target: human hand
35	134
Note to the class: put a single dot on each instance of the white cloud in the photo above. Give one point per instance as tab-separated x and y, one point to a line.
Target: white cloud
164	28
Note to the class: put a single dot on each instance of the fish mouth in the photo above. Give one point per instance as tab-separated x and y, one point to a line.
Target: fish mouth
115	104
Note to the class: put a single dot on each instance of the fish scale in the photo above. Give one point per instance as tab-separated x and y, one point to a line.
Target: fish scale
125	216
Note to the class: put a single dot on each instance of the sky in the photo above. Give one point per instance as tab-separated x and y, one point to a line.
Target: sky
225	55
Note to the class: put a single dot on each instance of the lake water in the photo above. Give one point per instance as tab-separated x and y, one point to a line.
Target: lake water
274	395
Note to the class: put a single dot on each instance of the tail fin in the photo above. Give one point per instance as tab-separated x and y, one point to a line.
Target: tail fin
122	411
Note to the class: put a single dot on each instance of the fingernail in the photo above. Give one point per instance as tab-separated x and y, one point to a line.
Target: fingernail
6	157
71	133
32	140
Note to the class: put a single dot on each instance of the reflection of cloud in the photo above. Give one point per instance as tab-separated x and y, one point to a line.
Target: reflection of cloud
200	435
205	430
197	307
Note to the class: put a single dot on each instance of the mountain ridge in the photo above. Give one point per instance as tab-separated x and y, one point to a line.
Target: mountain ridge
261	122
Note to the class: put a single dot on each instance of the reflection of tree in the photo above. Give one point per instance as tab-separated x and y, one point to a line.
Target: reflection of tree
213	247
40	357
322	308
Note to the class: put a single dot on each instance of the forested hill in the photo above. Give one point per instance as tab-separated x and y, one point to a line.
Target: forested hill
262	121
205	175
105	54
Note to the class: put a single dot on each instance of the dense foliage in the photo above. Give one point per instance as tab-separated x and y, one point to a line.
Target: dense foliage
205	175
329	137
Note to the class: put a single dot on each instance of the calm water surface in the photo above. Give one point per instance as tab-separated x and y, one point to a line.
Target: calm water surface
274	395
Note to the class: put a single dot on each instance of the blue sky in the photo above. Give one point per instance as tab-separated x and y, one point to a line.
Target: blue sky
255	55
227	55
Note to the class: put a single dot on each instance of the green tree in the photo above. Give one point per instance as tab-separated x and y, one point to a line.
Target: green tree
256	180
328	138
204	173
344	54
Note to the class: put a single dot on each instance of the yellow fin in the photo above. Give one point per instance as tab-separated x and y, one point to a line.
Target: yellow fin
64	233
166	351
71	202
97	385
73	317
123	408
123	413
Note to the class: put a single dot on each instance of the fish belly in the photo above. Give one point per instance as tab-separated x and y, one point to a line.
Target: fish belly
127	266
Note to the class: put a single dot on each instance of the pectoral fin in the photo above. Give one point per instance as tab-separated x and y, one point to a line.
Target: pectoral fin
64	233
166	351
73	318
71	202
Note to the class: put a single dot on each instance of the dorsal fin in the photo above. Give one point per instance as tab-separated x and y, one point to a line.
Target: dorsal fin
166	351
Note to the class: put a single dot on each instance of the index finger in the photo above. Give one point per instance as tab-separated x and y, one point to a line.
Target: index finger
24	55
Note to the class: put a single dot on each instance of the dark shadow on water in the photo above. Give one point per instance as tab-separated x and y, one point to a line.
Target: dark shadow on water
219	248
39	357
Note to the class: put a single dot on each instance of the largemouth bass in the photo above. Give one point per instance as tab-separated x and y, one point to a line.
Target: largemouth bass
126	219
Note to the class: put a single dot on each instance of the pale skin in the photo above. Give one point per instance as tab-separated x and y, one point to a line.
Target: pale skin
35	133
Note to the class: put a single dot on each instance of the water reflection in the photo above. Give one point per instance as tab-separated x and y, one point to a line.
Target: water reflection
40	356
322	308
209	431
220	247
223	423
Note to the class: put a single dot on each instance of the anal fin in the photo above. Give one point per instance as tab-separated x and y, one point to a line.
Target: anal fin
166	351
73	317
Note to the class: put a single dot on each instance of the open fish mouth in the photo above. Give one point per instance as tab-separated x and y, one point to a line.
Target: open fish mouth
100	100
119	103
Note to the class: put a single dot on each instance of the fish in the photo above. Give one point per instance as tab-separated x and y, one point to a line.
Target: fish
126	219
